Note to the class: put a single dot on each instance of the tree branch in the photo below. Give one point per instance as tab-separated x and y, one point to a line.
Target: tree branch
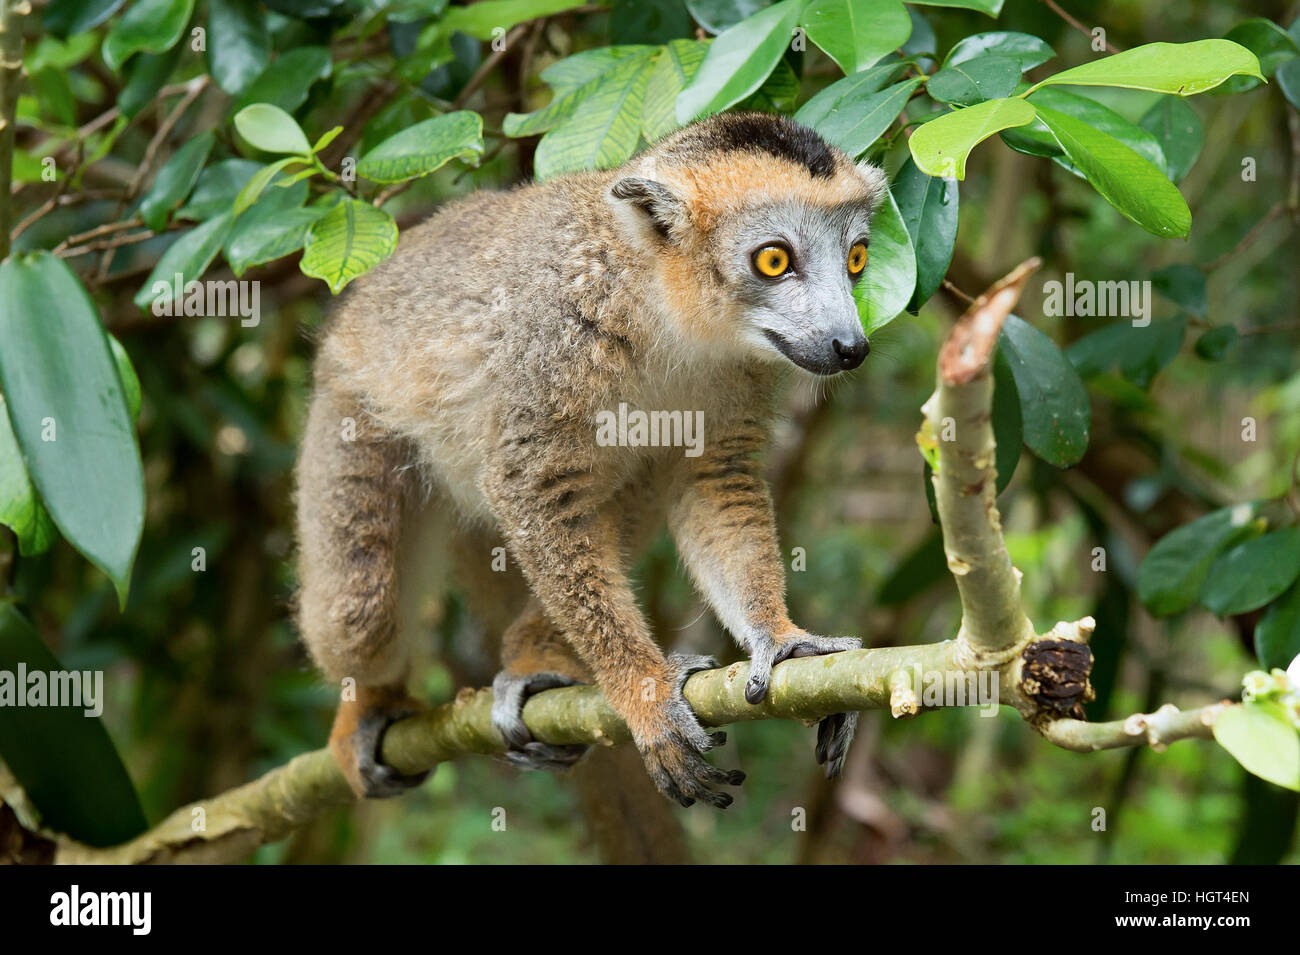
1044	677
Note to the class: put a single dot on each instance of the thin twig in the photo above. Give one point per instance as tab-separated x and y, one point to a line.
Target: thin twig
1055	8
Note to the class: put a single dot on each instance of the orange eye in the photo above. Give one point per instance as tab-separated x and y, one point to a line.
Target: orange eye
772	260
857	258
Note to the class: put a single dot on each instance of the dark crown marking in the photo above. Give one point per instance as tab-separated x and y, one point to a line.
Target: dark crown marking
764	132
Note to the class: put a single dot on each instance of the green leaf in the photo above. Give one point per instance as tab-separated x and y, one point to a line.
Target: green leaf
929	209
239	45
130	380
1126	180
1177	129
1277	636
739	60
604	129
673	70
217	188
1027	50
425	147
1288	81
1139	351
149	26
261	179
574	79
1183	285
846	95
145	76
1251	574
189	256
21	509
987	77
990	7
348	241
1171	576
288	80
857	33
66	18
265	233
175	180
1262	739
887	285
1215	344
648	21
1271	45
716	15
1037	140
854	126
69	412
1053	402
1182	68
65	761
778	94
271	130
940	147
1008	426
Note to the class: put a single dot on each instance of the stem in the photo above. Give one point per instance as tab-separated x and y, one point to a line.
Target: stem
11	66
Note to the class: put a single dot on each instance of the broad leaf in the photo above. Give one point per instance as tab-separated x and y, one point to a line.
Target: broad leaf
265	233
1183	285
1027	50
63	759
1271	45
673	70
288	80
604	129
1174	570
1277	635
717	15
574	79
887	285
929	209
1008	424
846	95
990	7
1182	68
21	509
1262	739
1177	129
271	130
149	26
69	412
739	60
1037	140
189	257
1216	342
348	241
857	33
217	188
1130	183
991	76
424	148
1054	405
174	181
1251	574
855	125
239	45
69	17
940	147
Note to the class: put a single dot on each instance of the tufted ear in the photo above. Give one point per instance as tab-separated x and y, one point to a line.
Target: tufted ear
648	209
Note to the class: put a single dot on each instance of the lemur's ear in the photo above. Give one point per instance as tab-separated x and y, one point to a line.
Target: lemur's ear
648	208
873	177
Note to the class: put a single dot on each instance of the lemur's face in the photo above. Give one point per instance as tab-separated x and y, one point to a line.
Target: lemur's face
792	266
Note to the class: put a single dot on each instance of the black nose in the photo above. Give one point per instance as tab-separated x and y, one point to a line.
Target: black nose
851	355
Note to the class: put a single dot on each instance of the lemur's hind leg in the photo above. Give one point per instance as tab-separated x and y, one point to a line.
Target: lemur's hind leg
353	483
534	657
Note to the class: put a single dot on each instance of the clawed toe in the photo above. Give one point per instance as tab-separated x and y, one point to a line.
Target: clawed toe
378	779
509	694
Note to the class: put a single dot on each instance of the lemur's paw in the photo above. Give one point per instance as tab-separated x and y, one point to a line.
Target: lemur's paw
766	652
509	693
358	754
674	753
834	734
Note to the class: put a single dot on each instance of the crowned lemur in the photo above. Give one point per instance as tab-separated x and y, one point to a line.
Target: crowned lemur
464	377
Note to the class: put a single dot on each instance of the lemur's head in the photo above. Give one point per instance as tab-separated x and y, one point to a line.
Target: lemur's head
758	230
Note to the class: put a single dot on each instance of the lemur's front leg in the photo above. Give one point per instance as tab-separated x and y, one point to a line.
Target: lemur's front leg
562	525
722	521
